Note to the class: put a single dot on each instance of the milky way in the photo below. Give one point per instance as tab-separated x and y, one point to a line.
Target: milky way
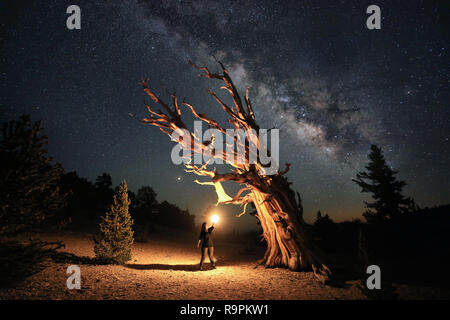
315	71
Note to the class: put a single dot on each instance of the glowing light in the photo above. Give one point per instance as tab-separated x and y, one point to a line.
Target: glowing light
214	218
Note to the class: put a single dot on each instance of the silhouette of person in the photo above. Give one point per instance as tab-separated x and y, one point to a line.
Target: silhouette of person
207	245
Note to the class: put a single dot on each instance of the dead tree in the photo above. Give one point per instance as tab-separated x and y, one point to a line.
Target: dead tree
277	209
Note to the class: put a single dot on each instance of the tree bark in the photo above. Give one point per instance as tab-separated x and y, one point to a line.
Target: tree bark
288	241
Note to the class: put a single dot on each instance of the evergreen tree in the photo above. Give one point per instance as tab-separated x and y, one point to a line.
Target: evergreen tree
318	216
325	231
103	182
29	177
83	200
322	220
116	234
146	205
104	191
386	189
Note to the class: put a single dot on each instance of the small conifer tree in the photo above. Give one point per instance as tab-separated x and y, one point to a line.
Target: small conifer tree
116	233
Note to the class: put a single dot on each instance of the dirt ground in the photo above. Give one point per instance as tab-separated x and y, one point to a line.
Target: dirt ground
169	270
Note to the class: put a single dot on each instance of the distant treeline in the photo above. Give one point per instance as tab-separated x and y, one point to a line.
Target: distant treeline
87	202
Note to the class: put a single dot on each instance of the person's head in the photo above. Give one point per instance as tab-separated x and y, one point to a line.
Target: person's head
204	227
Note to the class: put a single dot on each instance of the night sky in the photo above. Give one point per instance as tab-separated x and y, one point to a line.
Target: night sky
316	72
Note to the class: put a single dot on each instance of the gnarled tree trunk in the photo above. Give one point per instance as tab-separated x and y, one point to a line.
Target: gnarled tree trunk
288	242
287	239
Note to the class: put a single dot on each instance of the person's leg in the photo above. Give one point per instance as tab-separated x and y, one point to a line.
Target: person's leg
211	256
203	257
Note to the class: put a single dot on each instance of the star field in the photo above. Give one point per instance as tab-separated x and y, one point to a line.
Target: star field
316	72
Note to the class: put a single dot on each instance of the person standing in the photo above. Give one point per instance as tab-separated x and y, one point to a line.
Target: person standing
207	245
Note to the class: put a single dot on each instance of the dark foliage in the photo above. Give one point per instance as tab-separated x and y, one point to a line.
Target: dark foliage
29	178
83	200
379	180
145	207
104	191
409	249
414	246
19	260
170	215
336	237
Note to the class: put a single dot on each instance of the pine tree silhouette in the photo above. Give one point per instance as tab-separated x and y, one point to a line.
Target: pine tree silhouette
116	234
29	177
386	189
